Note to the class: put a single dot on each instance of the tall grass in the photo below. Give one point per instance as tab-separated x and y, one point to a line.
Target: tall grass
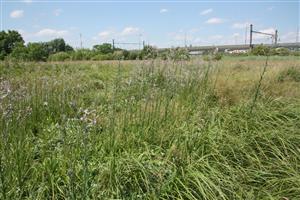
152	130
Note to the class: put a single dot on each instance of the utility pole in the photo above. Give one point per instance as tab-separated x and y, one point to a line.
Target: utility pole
80	41
276	37
113	44
251	30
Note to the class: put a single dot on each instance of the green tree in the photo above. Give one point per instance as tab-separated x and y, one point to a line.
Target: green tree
104	48
9	40
57	45
20	52
37	52
260	50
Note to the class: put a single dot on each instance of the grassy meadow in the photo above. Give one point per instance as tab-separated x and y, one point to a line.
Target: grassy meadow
152	129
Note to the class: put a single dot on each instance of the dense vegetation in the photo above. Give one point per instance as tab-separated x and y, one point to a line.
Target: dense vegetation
151	129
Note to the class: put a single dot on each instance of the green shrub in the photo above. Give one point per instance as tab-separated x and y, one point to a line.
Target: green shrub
133	55
148	52
281	51
82	54
108	56
213	57
260	50
217	56
295	53
20	53
61	56
118	55
179	54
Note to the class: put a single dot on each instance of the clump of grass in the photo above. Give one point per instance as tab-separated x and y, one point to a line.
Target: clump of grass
290	74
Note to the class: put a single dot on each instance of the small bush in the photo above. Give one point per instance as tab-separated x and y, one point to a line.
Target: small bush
260	50
82	54
118	55
291	74
133	55
108	56
61	56
148	52
214	57
179	54
217	56
295	53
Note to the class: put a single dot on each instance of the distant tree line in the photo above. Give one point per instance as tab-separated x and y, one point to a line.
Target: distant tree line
13	47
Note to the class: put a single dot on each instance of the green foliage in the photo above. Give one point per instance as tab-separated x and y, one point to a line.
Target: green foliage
133	55
57	45
118	55
82	54
213	57
217	56
108	56
281	51
125	54
20	53
148	52
290	74
261	50
8	41
95	131
104	48
295	53
37	52
178	54
60	56
13	43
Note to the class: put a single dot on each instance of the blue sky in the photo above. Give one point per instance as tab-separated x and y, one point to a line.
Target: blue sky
160	23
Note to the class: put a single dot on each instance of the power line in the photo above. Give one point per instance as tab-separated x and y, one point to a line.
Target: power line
273	36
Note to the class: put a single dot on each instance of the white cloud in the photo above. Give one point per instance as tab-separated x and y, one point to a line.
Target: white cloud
163	10
216	37
105	34
236	35
207	11
290	37
240	25
57	12
214	20
27	1
51	33
17	14
194	30
130	31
